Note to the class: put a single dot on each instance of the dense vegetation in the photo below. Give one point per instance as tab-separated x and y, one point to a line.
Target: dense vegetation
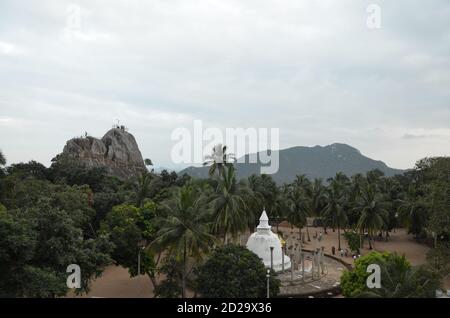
398	278
67	214
235	272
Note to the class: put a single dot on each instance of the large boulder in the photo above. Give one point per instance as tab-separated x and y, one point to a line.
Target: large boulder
117	152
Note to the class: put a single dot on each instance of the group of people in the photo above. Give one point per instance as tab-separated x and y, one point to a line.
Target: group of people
345	253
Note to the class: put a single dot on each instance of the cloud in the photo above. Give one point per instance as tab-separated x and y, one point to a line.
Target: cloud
311	68
9	49
412	136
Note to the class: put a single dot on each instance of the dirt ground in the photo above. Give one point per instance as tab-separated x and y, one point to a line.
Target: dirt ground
116	282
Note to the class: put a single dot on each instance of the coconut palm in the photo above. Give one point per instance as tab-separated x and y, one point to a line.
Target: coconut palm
304	186
279	208
254	201
297	210
229	208
302	181
372	210
218	160
334	211
412	211
143	188
265	195
315	201
184	232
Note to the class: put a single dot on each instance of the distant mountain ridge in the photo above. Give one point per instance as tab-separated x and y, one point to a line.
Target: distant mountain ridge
314	162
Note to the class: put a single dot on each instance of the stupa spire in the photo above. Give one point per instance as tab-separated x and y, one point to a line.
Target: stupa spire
264	222
267	245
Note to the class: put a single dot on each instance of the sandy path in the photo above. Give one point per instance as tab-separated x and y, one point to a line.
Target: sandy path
399	242
116	283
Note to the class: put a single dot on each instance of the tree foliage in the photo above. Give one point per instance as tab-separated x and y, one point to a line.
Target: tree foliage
235	272
398	278
44	229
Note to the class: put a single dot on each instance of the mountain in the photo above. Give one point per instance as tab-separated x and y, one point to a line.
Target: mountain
315	162
117	152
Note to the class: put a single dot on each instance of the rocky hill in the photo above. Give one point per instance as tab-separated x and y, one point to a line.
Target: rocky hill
117	152
315	162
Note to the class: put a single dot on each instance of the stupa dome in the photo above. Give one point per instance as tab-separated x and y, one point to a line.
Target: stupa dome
262	240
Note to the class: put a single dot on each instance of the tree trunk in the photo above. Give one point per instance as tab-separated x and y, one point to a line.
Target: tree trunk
183	279
153	281
300	235
339	237
370	242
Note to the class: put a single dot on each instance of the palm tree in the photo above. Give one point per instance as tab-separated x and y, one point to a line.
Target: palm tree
279	208
253	201
412	211
297	211
2	159
218	160
143	188
302	181
372	210
315	201
334	210
265	195
229	207
184	232
304	185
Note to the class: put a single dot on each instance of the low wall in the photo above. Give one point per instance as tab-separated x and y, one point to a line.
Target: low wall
324	293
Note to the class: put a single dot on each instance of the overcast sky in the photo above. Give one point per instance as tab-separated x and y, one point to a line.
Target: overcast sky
311	68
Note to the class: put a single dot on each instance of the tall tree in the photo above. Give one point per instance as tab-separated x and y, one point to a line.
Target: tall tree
372	210
218	160
315	202
412	211
264	194
143	188
229	206
184	232
334	211
297	210
132	228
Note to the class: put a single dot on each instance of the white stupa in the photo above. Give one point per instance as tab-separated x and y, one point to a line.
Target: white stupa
262	240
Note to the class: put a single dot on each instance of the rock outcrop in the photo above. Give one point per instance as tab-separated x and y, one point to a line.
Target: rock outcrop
117	152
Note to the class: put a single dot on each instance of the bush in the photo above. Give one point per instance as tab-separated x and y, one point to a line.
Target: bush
398	278
235	272
353	240
354	282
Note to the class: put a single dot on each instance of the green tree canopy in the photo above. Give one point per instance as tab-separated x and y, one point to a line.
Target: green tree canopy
235	272
45	229
130	229
398	278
